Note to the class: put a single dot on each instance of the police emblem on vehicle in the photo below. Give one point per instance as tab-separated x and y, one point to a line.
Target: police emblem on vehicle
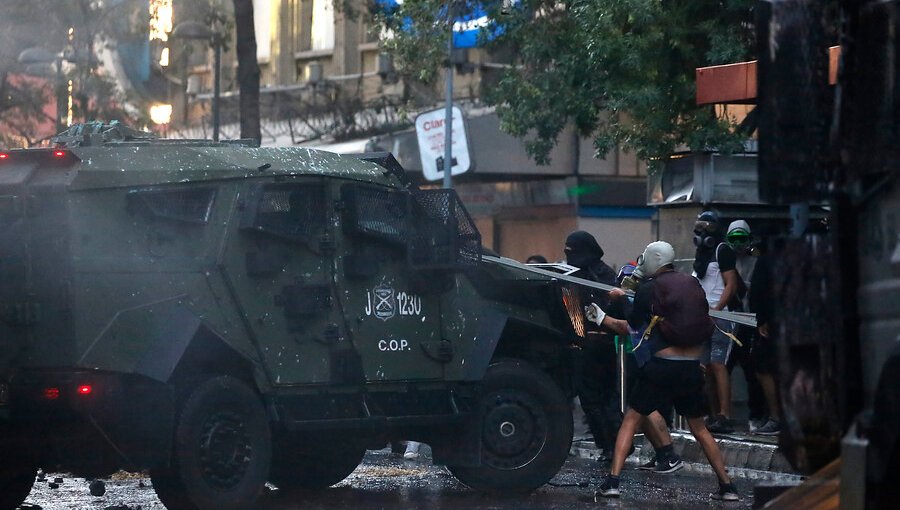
382	303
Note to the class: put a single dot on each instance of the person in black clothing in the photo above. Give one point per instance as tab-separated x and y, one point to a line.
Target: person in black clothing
764	359
598	389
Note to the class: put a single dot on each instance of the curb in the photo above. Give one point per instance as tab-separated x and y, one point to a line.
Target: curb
746	459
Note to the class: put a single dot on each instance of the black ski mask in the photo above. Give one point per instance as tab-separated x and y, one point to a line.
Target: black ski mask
582	250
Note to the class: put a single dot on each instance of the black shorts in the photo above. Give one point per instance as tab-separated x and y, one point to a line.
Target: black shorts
663	383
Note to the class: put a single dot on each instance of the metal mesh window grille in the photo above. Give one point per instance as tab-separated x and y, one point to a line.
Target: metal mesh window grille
188	205
292	211
377	212
444	236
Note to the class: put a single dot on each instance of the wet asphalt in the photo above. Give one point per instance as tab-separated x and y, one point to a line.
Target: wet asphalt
384	481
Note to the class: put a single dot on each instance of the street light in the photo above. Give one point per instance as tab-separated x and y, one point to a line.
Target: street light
36	57
198	31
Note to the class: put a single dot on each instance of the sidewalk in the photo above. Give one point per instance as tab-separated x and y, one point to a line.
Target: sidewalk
746	455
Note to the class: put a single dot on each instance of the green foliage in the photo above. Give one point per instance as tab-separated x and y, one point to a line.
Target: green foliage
620	71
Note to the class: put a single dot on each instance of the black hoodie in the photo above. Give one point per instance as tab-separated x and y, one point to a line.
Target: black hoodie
583	252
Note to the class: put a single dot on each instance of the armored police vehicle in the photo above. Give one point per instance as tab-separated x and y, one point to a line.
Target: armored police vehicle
225	315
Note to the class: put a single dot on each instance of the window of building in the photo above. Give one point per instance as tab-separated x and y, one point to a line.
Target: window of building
322	26
262	23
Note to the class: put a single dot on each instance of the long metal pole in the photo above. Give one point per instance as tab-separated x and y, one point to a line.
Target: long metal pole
216	89
448	118
620	341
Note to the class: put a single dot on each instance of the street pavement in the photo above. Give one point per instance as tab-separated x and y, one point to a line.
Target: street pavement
384	481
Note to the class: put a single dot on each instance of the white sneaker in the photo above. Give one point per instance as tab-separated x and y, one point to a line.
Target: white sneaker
412	450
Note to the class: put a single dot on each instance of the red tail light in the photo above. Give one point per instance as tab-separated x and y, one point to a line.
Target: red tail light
85	389
51	393
59	154
3	155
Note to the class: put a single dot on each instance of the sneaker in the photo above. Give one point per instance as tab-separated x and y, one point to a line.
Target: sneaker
410	456
720	425
754	424
609	488
727	492
771	428
650	465
669	465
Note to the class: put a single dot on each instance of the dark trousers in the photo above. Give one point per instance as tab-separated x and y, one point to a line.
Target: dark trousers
756	400
599	390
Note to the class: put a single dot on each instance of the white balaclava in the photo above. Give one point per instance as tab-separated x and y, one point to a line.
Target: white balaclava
656	255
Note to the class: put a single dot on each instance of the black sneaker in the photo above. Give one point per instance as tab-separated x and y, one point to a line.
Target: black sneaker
771	428
669	465
650	465
609	488
720	425
727	492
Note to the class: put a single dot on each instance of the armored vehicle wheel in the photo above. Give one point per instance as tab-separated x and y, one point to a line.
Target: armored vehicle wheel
526	430
169	489
17	474
222	451
312	466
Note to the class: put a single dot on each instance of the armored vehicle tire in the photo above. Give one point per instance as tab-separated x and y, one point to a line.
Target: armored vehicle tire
315	466
222	450
17	473
526	430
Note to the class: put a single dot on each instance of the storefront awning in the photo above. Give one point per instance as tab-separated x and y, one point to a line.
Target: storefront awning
736	83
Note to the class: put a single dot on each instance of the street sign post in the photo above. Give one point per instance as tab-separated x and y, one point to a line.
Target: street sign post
431	133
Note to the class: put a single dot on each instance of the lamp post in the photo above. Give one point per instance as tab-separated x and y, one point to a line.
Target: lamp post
37	56
198	31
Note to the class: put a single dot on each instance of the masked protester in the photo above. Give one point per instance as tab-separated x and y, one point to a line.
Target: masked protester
715	267
656	426
739	238
671	308
598	388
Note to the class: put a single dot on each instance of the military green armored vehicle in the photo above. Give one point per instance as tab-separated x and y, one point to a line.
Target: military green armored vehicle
225	315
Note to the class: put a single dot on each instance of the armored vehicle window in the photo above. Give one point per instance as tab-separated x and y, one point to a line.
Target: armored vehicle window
294	211
376	212
192	205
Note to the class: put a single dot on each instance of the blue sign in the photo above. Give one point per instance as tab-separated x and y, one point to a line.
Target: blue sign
465	28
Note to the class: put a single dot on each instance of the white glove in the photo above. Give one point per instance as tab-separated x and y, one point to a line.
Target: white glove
594	313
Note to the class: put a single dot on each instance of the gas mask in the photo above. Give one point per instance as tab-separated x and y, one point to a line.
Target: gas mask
738	237
705	234
707	230
656	255
631	282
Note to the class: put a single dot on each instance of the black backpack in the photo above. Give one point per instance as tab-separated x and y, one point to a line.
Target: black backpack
680	303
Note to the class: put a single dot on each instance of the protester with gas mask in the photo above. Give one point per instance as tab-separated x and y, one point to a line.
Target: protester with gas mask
671	310
656	426
715	267
740	239
598	388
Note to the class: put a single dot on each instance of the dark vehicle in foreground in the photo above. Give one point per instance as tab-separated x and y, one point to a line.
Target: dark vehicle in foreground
224	315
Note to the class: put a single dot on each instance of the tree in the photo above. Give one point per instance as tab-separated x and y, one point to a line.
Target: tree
248	69
620	71
77	29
